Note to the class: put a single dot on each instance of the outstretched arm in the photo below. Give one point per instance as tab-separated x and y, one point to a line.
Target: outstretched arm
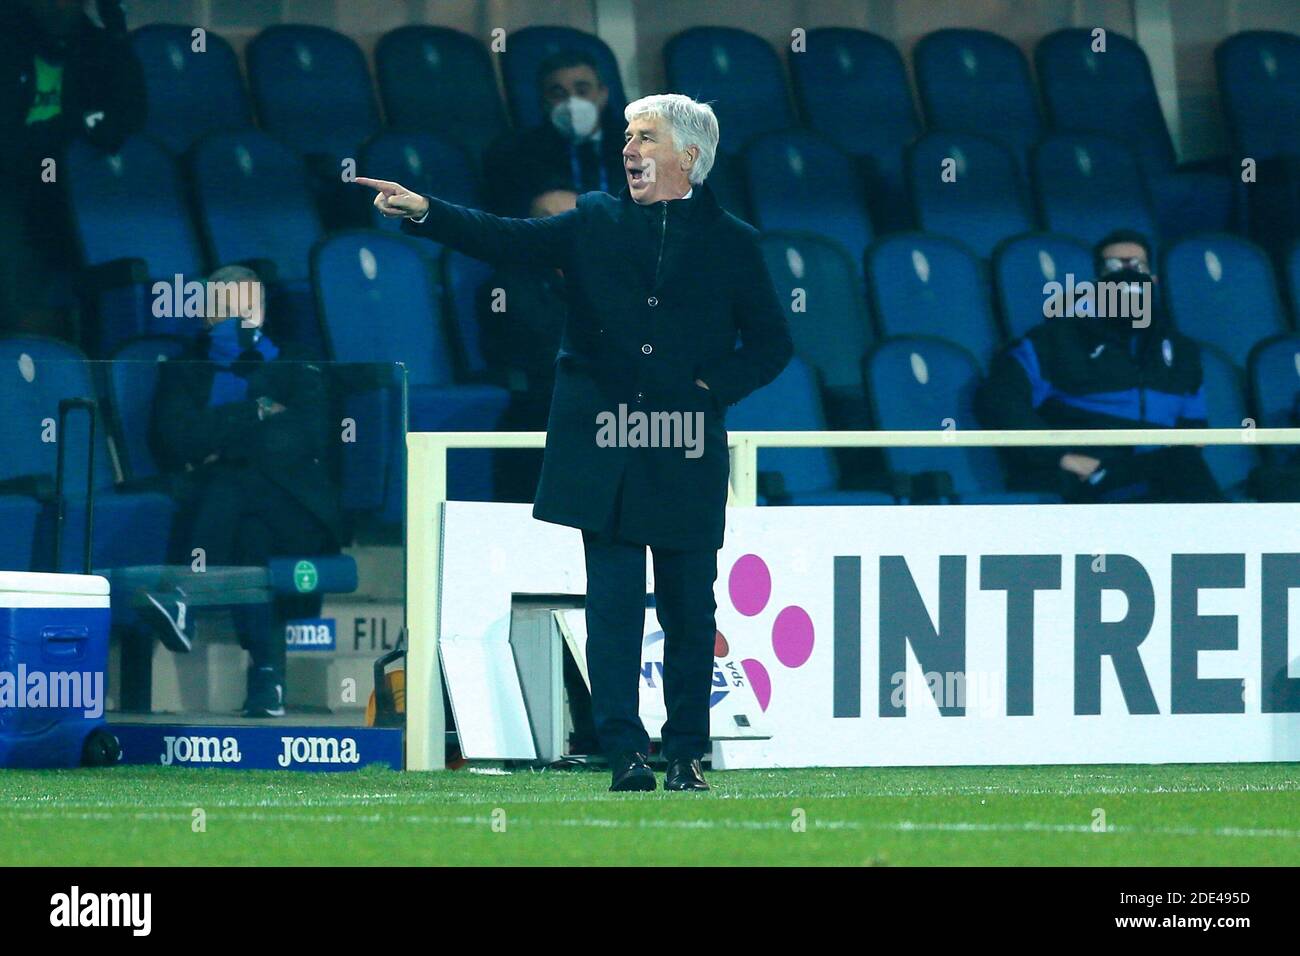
537	242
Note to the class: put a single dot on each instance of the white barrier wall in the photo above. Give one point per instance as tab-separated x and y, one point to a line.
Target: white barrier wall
948	635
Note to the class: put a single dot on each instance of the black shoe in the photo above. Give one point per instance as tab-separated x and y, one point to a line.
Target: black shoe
168	619
265	693
631	772
684	775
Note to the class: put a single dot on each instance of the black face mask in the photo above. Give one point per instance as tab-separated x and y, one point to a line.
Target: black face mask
1138	292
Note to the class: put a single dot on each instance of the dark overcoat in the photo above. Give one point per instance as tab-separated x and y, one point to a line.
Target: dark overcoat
658	296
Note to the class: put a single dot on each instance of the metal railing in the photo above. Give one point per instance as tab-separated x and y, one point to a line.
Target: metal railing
426	494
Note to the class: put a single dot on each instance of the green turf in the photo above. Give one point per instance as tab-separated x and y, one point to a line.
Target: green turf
1163	815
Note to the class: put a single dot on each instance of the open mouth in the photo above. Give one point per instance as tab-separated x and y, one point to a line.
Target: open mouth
635	175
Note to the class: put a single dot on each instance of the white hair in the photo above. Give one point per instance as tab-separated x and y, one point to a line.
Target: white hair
691	124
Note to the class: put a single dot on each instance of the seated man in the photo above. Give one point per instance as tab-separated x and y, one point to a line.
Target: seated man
521	329
579	147
1124	366
250	433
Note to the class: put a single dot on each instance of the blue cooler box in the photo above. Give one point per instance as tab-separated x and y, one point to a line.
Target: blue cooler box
53	666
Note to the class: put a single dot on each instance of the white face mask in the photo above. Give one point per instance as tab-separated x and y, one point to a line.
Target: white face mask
575	118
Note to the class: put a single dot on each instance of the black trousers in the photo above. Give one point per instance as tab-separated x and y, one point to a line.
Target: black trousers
240	517
615	615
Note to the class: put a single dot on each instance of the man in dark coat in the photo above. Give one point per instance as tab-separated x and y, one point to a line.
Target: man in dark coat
249	432
659	282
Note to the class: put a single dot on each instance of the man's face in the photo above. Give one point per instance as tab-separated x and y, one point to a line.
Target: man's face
654	166
580	81
1124	255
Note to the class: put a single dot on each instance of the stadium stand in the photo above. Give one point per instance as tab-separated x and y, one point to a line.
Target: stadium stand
132	379
1112	93
795	476
930	285
851	86
442	80
1259	88
972	81
139	185
799	181
131	527
1088	186
380	302
462	279
967	188
1225	402
190	92
928	383
1221	290
1024	265
311	88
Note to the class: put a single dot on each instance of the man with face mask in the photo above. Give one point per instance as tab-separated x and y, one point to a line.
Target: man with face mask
1119	364
572	149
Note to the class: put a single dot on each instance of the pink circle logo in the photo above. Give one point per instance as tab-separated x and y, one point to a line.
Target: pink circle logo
750	587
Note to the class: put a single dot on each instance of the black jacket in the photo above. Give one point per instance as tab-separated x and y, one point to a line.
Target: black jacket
657	296
519	166
103	95
290	449
1072	373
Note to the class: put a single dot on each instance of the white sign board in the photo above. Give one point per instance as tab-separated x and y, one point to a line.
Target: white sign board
976	634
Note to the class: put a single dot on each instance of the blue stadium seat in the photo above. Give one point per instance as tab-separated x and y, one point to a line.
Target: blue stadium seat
851	86
462	278
132	379
1273	377
1112	93
971	81
1259	83
822	292
736	71
311	88
242	220
525	51
1024	265
139	186
794	476
1088	186
924	383
190	93
1225	402
799	181
1220	289
1259	88
928	285
129	528
420	160
439	79
825	305
380	303
968	188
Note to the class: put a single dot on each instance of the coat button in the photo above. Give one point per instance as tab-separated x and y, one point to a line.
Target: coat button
647	349
652	302
640	396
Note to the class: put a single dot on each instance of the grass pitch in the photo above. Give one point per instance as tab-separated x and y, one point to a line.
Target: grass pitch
1231	814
